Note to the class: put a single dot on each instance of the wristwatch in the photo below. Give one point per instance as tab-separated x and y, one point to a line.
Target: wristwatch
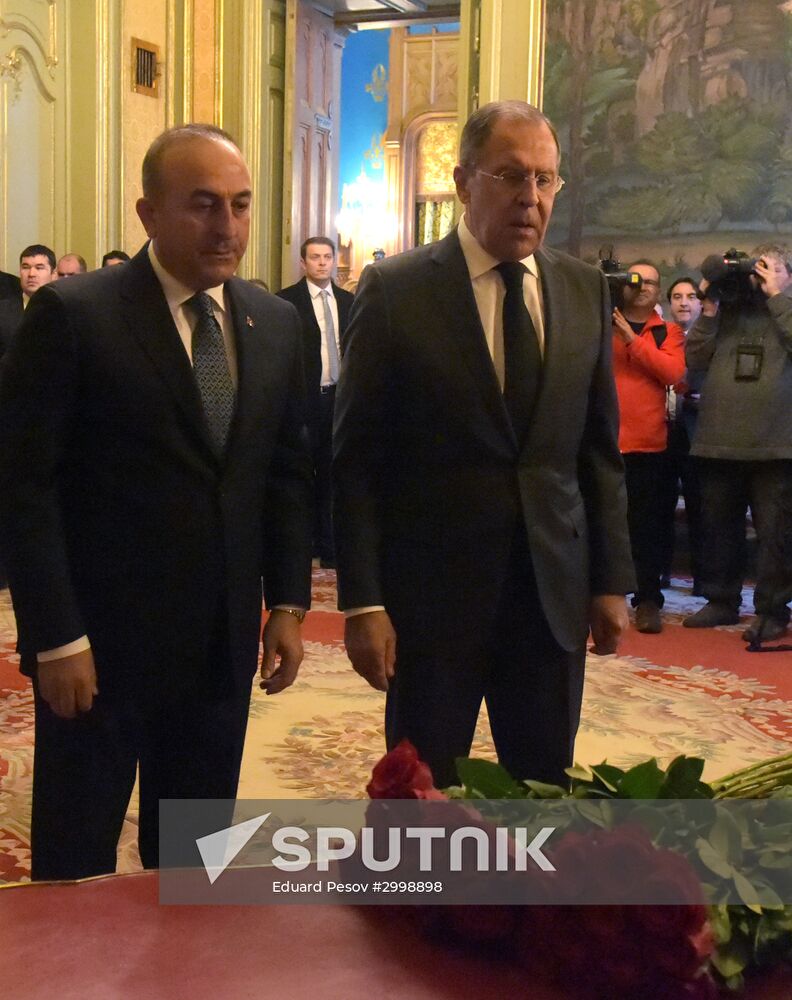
298	613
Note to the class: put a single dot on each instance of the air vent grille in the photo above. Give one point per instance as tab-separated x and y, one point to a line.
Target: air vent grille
145	68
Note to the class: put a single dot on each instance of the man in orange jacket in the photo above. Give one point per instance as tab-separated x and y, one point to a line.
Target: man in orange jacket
648	356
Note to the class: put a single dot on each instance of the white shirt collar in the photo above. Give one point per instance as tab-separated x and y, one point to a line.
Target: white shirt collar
314	289
478	260
177	293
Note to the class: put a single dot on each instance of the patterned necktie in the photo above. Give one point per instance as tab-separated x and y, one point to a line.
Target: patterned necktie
330	337
521	355
210	365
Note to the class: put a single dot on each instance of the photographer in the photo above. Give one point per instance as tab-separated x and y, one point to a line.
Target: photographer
743	340
680	469
648	356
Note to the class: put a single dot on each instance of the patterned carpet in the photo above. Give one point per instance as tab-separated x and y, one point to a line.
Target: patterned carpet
682	691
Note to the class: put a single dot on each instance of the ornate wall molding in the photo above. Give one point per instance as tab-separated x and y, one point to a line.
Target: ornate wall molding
43	33
423	88
33	165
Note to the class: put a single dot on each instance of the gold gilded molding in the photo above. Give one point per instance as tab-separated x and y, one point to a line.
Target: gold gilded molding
11	68
378	88
103	91
251	124
511	50
219	63
436	158
375	154
48	47
188	62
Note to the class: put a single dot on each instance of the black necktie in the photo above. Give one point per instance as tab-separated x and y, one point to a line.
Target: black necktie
521	354
210	365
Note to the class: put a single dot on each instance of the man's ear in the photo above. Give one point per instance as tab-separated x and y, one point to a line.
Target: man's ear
461	182
147	215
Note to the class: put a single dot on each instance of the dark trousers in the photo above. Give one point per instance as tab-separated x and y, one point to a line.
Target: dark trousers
84	772
680	471
532	688
727	490
644	476
322	444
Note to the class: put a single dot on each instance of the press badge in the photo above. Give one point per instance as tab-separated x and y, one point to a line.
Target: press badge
749	362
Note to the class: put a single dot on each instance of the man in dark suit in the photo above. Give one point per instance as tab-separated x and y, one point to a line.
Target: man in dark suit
479	491
154	470
324	311
36	268
9	286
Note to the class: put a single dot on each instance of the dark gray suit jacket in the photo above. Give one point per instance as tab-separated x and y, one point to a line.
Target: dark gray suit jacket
117	519
429	480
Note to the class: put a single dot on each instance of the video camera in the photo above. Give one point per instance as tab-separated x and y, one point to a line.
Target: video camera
617	278
729	277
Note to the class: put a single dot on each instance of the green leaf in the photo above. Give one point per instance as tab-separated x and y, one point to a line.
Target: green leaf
726	838
713	859
544	791
643	781
599	812
683	779
721	924
748	893
578	772
733	958
489	780
608	775
771	936
775	859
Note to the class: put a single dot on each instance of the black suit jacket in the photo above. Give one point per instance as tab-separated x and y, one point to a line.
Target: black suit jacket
300	298
10	287
11	313
430	484
117	519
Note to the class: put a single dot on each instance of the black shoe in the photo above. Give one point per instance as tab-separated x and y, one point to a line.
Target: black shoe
647	618
665	581
765	628
711	615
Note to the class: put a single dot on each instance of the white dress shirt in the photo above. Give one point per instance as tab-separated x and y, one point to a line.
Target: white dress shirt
185	319
316	294
490	291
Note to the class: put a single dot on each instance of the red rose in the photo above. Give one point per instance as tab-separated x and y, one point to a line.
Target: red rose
401	774
625	949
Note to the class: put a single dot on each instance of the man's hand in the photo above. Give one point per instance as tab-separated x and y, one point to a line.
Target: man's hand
608	620
709	307
773	276
281	637
68	685
622	328
371	647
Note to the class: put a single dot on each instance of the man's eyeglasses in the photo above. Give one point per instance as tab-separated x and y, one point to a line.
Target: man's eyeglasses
515	180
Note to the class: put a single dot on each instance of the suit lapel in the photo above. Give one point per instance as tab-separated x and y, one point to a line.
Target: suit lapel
467	339
306	307
553	310
342	304
150	322
248	387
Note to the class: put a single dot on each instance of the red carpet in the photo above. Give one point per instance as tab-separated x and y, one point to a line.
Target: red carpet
683	691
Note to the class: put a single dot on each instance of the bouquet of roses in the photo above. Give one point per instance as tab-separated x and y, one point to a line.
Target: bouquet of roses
662	952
